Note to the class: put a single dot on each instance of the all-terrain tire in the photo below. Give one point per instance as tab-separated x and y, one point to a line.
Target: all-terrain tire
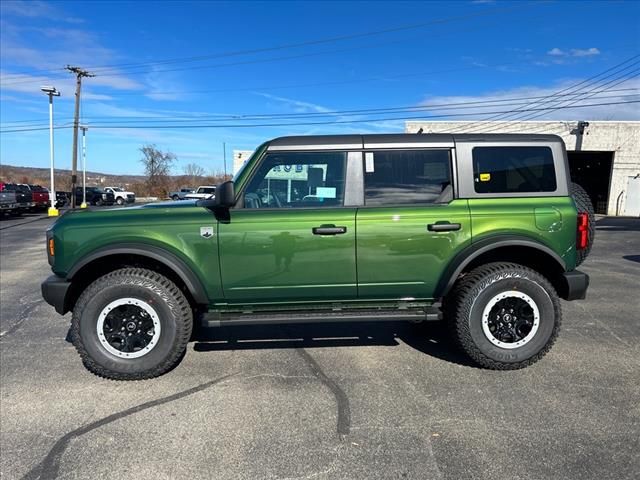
584	205
173	313
466	303
120	201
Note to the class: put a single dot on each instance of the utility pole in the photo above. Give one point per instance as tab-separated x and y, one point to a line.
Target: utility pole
84	129
579	133
224	157
79	73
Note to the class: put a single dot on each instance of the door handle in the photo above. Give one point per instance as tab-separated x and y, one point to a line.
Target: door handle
443	227
328	230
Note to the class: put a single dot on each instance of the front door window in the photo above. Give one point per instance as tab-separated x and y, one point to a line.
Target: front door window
298	180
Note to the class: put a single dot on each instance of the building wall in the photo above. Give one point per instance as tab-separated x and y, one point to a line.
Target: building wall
622	138
239	158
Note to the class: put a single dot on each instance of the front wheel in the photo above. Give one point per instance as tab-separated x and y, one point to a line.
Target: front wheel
131	324
119	201
504	316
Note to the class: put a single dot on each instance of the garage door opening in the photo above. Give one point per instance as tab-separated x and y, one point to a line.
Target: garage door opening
592	170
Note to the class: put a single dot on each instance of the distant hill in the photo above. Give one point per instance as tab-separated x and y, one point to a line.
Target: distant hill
135	183
11	173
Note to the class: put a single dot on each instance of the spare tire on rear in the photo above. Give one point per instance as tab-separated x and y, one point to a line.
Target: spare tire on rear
584	205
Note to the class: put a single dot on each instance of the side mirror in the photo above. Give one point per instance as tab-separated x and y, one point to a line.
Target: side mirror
225	196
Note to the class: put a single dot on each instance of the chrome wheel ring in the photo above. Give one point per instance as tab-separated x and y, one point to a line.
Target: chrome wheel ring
128	328
510	319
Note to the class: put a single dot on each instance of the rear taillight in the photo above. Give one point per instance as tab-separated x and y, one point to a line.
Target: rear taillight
582	239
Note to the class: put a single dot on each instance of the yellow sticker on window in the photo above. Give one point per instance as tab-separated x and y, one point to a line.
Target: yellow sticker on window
485	177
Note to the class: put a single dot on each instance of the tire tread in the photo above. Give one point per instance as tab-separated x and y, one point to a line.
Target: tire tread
162	286
458	311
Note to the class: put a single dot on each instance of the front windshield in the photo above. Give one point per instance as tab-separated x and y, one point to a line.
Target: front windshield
117	189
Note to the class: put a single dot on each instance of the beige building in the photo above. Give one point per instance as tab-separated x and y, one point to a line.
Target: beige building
607	164
239	158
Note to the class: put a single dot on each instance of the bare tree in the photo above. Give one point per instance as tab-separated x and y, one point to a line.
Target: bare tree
157	166
193	170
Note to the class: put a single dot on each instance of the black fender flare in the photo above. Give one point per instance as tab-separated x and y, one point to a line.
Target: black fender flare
168	259
473	251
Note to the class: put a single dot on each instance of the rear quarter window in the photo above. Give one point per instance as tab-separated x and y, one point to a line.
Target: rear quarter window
513	170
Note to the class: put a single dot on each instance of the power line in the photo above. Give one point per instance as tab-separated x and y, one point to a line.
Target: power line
571	87
369	111
289	124
107	68
572	103
620	79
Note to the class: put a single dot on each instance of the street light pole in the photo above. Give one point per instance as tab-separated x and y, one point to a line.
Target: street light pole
84	129
51	92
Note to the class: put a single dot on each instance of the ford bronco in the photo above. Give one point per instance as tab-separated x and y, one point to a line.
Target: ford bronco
481	231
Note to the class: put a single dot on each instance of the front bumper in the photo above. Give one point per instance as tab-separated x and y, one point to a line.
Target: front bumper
54	292
576	284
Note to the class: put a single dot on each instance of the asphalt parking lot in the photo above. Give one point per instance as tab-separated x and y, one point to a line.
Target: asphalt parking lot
364	401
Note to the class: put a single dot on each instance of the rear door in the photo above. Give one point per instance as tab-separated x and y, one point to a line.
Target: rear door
411	224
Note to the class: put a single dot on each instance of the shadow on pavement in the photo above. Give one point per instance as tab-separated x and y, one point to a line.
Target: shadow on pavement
632	258
429	337
618	224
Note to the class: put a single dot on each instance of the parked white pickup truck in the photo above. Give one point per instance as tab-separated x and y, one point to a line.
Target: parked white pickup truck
121	196
204	191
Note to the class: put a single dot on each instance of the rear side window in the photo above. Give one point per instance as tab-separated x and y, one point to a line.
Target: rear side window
407	177
513	169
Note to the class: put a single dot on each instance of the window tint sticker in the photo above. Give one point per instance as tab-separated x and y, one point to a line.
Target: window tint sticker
368	162
326	192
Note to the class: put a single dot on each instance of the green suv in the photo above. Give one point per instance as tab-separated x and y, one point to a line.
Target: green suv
481	231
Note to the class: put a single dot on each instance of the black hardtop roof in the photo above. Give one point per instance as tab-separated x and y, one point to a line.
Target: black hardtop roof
365	141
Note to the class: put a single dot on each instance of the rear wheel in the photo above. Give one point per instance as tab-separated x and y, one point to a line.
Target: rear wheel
504	316
175	198
584	205
131	324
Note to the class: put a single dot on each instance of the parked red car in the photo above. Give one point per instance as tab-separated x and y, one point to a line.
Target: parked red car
40	197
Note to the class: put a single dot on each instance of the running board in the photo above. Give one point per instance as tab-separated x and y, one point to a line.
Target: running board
218	319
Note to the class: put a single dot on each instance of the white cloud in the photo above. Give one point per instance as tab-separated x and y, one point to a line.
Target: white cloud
578	52
574	52
298	105
35	9
21	50
556	52
571	111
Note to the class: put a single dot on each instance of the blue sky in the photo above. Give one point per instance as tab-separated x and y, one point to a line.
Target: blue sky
354	55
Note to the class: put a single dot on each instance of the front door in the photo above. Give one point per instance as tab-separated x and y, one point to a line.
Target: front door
410	226
291	239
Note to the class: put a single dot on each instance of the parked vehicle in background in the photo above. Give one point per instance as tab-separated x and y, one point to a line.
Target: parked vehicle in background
24	197
62	198
8	203
203	192
180	194
40	196
95	196
483	231
121	196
